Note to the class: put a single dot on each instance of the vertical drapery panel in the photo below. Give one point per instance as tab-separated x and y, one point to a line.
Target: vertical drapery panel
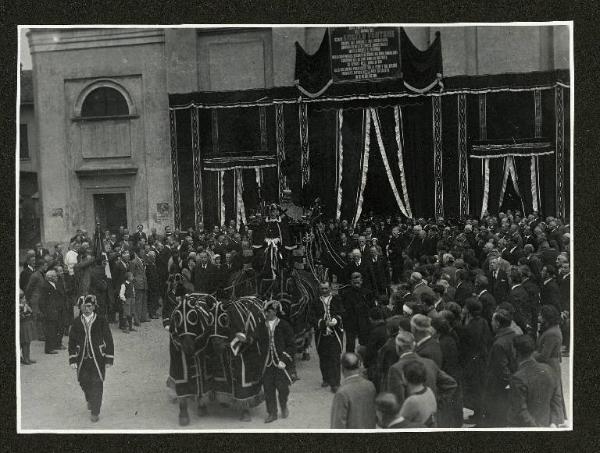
339	162
476	166
174	168
304	143
292	148
211	204
352	136
523	172
322	163
418	156
280	145
196	158
450	157
185	168
399	138
364	165
463	158
559	108
547	164
436	102
382	198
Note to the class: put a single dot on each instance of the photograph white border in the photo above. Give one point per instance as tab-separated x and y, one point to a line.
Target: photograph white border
570	420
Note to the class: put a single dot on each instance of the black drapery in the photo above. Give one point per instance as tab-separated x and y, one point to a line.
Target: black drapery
418	157
450	160
510	115
321	137
420	69
353	140
313	72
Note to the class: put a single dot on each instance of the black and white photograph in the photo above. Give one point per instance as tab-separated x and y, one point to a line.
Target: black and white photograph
294	228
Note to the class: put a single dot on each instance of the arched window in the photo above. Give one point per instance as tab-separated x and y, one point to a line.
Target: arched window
104	101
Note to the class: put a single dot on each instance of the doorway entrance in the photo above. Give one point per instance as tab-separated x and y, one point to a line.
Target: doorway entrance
110	211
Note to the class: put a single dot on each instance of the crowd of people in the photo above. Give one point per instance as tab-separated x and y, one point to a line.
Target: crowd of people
422	319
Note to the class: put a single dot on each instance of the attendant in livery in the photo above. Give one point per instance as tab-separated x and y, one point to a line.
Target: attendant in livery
91	350
273	238
329	332
276	338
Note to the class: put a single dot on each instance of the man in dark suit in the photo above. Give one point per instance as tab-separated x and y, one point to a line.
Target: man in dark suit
515	252
498	282
51	306
441	383
357	264
417	245
40	252
357	302
354	402
328	313
534	262
501	364
204	275
564	283
488	302
464	288
535	395
377	268
519	299
139	234
550	291
343	246
220	246
394	250
533	290
548	255
28	269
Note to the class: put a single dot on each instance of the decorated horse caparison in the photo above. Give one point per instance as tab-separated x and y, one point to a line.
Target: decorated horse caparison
213	355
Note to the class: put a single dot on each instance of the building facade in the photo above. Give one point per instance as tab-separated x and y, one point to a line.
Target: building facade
101	96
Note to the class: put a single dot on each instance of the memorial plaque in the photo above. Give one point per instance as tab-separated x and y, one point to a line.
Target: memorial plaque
361	53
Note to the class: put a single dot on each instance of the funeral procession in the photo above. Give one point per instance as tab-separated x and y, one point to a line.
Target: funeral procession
294	228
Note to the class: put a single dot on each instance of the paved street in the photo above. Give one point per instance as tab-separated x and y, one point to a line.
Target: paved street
136	397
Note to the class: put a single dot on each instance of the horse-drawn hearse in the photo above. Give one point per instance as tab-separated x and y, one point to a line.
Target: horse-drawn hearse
214	356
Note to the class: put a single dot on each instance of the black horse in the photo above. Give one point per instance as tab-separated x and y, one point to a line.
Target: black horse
213	355
189	333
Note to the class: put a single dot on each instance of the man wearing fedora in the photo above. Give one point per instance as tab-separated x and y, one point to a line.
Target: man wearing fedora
91	350
276	339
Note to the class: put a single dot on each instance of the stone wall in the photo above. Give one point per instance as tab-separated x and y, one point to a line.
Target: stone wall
64	64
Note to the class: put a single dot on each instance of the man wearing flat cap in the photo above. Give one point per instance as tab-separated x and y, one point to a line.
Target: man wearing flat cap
425	343
91	350
276	340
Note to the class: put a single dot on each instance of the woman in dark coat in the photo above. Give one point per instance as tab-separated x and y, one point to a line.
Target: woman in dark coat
450	412
549	343
475	339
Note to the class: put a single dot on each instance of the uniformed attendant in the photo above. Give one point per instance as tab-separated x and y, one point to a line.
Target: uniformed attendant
328	335
90	351
276	339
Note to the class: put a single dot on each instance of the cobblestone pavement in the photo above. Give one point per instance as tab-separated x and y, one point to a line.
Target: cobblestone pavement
136	397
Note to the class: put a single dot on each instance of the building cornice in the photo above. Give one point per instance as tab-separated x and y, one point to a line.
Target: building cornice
54	40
